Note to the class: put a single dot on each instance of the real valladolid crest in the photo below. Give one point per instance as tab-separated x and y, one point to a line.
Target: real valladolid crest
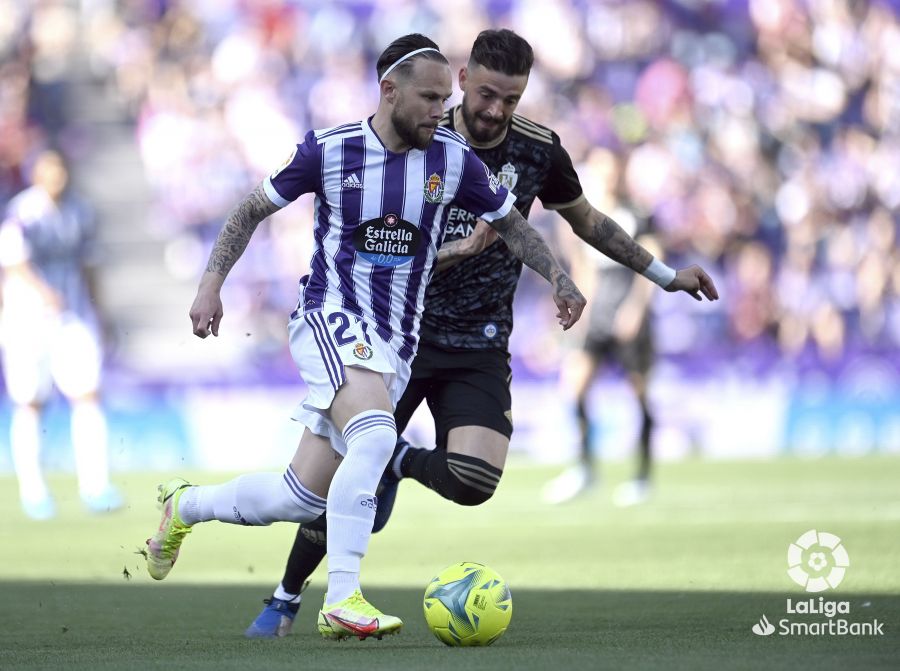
818	561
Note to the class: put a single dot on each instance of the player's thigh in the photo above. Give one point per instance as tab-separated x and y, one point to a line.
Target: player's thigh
76	359
636	358
362	390
578	371
472	406
409	402
26	360
480	442
315	462
347	369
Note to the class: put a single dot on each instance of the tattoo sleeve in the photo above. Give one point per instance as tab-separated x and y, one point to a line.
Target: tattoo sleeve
239	227
605	235
528	245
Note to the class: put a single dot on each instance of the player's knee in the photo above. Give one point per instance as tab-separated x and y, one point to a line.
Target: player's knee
371	435
472	481
469	495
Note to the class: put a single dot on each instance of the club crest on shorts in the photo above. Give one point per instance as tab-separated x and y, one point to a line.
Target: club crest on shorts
362	351
508	176
434	189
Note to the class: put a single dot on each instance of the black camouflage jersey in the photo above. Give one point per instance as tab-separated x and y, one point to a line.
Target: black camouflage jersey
469	305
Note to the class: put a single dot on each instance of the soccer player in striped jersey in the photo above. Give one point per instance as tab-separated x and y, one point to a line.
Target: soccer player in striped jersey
462	367
384	190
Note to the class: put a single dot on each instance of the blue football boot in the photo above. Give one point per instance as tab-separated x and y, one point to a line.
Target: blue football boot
276	619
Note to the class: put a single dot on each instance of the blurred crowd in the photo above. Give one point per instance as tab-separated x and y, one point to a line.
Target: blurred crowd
759	137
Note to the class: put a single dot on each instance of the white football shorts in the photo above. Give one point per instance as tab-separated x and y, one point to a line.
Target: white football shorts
40	350
323	343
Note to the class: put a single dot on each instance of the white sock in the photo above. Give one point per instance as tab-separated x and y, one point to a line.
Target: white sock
256	499
396	461
370	437
286	596
89	442
25	443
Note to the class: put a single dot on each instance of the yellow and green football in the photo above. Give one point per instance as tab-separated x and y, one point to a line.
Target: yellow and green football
468	604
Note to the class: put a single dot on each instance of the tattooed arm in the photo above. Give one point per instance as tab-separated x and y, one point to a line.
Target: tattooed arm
206	312
528	245
451	253
605	235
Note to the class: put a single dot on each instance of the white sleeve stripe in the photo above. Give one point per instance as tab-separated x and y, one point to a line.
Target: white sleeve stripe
501	211
273	195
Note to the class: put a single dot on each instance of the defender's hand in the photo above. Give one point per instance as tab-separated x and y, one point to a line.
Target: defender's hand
694	281
569	301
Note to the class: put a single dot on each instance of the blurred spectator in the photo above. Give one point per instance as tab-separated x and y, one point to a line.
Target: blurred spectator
50	334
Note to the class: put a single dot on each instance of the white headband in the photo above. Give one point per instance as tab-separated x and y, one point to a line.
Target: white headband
403	58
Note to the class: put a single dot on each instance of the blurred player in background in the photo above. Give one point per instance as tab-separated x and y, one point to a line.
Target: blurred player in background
619	334
50	334
384	187
462	367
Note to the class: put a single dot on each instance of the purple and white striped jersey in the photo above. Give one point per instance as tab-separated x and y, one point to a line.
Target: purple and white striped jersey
380	218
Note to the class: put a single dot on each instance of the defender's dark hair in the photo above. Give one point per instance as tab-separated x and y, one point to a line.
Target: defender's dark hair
402	46
503	51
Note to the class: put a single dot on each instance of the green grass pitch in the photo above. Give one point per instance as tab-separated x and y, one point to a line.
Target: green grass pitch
673	584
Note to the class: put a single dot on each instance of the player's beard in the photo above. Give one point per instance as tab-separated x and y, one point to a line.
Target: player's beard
484	135
411	133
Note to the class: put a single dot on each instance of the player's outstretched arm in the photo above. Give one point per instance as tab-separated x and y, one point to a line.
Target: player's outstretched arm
529	246
206	311
606	236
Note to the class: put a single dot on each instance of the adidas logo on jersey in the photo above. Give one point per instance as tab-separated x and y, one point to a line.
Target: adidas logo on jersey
352	182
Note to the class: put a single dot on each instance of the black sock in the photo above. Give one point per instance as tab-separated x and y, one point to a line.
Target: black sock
307	553
644	445
584	430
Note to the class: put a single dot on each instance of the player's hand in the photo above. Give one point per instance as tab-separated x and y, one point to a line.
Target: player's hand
482	237
569	301
694	281
206	312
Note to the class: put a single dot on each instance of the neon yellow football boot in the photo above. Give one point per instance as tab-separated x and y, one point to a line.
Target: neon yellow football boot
163	546
354	616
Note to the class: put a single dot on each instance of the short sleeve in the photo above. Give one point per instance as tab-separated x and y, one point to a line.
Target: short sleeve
300	173
14	248
481	193
562	189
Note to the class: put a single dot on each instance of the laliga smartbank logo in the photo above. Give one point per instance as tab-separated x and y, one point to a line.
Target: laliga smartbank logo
817	561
